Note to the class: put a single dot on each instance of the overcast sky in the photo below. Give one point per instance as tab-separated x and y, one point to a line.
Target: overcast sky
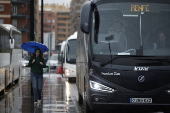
60	2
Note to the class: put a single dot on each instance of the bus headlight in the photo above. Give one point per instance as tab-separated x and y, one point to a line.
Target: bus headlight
168	91
67	70
100	87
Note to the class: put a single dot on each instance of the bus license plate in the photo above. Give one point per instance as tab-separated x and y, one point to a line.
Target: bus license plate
140	100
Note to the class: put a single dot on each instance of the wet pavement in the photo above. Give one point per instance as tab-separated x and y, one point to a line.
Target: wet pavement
25	71
58	95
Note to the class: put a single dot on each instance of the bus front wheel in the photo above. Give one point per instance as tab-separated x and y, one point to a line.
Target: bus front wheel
80	99
72	80
88	109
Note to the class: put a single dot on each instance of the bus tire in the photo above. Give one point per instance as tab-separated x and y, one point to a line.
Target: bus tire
71	80
6	78
19	75
88	109
13	77
80	99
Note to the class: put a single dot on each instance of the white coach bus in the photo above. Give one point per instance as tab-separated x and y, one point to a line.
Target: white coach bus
10	56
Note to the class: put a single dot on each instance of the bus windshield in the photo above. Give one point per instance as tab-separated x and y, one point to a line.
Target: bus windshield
131	29
71	51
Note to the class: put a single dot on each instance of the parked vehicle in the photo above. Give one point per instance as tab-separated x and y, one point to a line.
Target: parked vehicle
68	53
123	55
25	60
52	61
10	55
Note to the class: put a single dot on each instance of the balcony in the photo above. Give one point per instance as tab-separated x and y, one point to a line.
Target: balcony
23	14
20	15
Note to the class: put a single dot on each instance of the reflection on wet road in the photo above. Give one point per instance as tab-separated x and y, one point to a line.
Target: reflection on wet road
58	96
25	71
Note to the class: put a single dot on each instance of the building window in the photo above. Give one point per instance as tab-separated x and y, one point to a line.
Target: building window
53	27
62	19
62	13
53	21
14	22
48	21
14	10
61	24
48	26
61	35
61	30
2	21
1	8
22	5
49	14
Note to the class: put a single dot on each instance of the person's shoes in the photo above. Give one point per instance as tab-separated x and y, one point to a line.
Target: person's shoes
39	101
35	102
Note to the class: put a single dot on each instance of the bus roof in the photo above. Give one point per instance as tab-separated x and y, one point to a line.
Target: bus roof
63	45
74	36
2	28
9	26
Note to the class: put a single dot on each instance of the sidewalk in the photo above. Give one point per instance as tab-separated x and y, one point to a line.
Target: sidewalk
59	96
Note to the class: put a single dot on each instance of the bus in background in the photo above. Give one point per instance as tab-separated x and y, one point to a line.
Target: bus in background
68	49
60	68
123	55
10	56
58	48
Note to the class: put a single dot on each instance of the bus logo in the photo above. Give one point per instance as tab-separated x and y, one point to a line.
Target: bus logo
141	68
141	78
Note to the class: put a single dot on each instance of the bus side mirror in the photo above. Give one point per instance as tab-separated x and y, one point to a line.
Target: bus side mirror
11	42
85	16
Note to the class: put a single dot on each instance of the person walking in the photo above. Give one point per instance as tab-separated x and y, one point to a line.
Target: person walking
37	63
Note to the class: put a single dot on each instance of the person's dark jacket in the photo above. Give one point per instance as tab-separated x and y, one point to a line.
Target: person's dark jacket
36	67
160	46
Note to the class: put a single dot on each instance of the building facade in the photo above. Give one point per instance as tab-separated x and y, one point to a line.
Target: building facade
17	13
20	17
49	22
62	25
5	13
75	8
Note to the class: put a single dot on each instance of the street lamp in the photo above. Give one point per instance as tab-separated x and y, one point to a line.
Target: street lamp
31	20
42	20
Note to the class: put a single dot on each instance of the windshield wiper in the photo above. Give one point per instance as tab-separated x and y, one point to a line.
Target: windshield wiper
103	64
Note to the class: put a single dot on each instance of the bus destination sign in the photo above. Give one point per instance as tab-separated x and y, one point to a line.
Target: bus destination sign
139	8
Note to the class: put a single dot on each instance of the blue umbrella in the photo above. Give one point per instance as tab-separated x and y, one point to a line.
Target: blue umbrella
32	46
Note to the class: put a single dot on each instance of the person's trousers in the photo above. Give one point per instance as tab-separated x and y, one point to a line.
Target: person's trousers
37	80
